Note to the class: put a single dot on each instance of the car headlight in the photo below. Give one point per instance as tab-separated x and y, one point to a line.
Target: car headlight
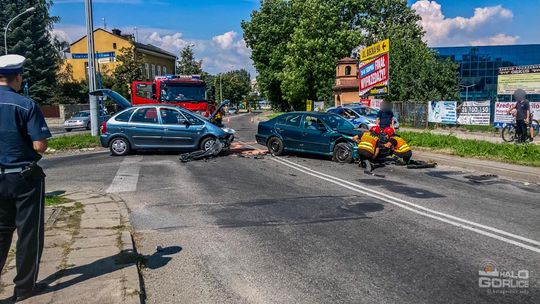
228	130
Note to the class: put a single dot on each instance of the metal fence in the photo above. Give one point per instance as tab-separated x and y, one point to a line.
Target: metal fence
411	113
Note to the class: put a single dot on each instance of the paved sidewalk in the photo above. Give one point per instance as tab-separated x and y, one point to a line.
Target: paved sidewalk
485	136
89	255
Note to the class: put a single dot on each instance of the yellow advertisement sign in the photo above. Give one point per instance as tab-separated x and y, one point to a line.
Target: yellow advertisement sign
309	105
507	84
375	50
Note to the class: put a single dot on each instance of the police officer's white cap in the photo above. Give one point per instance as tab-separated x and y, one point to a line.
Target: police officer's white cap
11	64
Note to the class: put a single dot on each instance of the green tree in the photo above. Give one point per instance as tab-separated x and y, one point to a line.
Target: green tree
187	65
30	36
296	44
128	70
67	89
236	85
267	35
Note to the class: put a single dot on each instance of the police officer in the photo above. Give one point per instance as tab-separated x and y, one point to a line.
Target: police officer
23	137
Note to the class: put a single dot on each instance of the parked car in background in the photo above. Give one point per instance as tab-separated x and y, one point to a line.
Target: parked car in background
159	127
80	120
370	113
361	116
309	132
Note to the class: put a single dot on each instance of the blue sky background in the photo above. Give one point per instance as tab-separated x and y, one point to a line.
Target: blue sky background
214	25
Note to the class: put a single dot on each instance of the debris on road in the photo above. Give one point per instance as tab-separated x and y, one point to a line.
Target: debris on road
214	151
420	164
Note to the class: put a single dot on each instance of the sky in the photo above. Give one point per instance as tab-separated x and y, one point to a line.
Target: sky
213	26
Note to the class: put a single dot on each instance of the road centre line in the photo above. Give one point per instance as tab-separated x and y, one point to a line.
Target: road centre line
127	176
452	220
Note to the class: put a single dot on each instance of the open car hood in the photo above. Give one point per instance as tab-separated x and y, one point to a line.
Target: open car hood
114	96
224	103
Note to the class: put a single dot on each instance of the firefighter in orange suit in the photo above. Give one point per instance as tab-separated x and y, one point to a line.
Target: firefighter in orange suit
368	147
402	150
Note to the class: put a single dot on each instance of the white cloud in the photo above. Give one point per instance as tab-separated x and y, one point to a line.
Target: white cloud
499	39
485	25
226	40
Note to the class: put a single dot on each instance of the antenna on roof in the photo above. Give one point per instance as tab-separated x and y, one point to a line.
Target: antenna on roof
104	23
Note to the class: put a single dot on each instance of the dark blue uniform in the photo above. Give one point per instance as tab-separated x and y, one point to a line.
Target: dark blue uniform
22	185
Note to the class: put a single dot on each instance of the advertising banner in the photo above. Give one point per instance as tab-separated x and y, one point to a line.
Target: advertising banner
474	113
519	77
501	108
373	74
442	112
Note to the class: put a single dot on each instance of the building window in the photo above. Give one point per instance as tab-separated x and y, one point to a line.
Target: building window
164	70
159	70
348	70
114	46
153	71
147	70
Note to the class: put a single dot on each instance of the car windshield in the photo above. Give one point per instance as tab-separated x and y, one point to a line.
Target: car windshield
82	114
182	93
336	122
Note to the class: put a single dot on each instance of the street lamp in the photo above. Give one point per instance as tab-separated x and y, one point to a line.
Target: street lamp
7	26
467	90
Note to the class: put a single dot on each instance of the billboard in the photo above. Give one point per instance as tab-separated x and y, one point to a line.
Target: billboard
501	119
519	77
373	74
474	113
442	112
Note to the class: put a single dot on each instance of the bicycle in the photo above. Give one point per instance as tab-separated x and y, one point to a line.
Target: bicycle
509	131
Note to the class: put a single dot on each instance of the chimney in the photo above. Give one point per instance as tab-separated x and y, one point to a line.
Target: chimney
117	32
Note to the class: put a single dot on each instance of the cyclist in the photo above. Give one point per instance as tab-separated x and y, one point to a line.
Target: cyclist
523	112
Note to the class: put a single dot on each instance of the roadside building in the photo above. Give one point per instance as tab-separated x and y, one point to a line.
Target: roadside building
107	45
346	86
479	67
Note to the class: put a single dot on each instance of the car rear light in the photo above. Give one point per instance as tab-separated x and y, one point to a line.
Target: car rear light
103	128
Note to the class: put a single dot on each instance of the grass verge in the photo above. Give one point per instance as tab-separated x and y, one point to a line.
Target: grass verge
55	200
272	115
79	141
510	153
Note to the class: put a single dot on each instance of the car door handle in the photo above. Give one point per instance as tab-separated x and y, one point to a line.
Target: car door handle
279	129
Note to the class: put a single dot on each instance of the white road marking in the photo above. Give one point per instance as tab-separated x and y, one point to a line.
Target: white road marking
446	218
127	176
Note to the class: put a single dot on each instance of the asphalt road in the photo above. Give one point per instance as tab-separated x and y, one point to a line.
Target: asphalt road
302	229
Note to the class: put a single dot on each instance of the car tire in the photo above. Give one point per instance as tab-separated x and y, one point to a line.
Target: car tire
88	126
68	130
119	146
207	143
275	146
342	153
363	126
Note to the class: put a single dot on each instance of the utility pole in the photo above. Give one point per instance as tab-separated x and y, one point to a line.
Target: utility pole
91	68
136	34
220	89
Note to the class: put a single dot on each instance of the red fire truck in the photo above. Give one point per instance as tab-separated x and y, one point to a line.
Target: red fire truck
185	91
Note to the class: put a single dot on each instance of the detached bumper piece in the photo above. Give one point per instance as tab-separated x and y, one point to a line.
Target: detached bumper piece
214	151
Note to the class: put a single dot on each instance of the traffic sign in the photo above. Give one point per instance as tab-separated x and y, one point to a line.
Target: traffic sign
375	50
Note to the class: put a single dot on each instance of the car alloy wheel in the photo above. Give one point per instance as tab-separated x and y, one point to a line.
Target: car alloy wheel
119	146
208	144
